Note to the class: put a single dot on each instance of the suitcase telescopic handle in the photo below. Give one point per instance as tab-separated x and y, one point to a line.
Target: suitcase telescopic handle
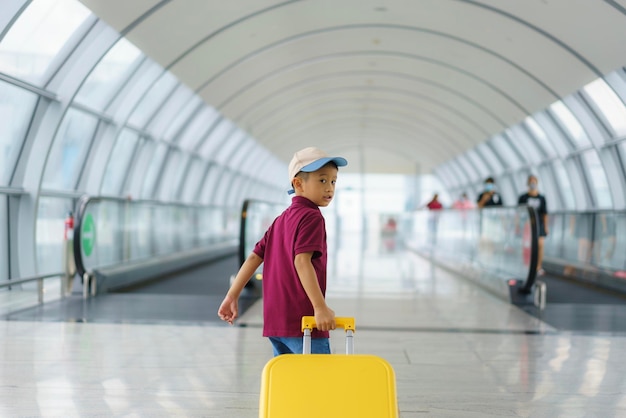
344	322
347	323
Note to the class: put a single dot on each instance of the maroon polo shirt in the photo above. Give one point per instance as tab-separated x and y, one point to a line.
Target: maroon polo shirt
299	229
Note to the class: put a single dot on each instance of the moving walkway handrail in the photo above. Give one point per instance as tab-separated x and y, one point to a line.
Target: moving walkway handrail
533	218
83	202
247	204
78	223
187	227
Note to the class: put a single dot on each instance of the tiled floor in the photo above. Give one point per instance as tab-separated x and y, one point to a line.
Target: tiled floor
457	352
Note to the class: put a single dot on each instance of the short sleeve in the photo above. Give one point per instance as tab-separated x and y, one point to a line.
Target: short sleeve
259	248
311	235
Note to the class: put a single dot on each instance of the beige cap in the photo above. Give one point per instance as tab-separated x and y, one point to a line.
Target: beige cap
311	159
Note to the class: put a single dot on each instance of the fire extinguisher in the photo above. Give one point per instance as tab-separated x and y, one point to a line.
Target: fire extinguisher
68	233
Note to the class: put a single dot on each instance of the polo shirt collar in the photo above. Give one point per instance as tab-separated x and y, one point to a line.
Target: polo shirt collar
300	200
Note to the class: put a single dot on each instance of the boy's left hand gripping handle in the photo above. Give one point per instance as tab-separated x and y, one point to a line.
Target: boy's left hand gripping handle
347	323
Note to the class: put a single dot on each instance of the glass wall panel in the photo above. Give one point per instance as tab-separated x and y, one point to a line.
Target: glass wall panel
540	136
193	180
554	134
209	188
484	171
241	155
599	185
109	232
221	189
216	138
170	179
173	113
520	181
564	184
622	154
491	158
139	168
452	176
154	169
210	225
16	108
506	152
549	189
615	175
472	174
506	186
50	228
609	246
69	150
610	105
119	161
462	178
198	128
570	124
133	90
525	146
4	239
446	177
181	117
140	227
227	147
234	194
37	36
107	77
579	183
153	99
165	234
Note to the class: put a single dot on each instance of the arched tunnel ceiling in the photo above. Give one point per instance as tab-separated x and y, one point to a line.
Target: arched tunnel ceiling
394	85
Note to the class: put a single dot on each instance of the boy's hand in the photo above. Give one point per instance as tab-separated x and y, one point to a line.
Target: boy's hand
325	319
228	310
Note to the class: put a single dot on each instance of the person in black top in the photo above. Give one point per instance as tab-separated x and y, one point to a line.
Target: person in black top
489	197
536	200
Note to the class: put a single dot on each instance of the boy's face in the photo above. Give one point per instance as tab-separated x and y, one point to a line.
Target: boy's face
319	186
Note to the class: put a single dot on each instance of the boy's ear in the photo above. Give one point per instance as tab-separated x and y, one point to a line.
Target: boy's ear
297	183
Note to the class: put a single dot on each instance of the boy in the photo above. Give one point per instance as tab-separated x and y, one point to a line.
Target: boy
294	252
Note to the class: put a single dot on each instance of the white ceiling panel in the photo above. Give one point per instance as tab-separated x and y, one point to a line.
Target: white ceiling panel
401	85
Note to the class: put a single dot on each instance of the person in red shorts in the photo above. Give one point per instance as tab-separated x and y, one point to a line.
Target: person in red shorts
294	254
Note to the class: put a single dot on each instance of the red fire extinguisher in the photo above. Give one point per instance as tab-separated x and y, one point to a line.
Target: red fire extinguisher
68	232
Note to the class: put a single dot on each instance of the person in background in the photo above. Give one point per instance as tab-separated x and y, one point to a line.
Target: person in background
433	220
489	197
434	204
536	200
463	203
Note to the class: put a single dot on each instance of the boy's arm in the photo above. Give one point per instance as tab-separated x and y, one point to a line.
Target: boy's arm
324	316
229	309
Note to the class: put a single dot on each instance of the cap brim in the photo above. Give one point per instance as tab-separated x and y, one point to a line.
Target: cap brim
316	165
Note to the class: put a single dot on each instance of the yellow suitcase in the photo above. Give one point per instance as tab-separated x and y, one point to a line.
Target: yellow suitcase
328	386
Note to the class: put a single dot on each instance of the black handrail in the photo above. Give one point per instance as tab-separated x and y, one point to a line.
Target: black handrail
243	223
78	221
533	219
242	231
